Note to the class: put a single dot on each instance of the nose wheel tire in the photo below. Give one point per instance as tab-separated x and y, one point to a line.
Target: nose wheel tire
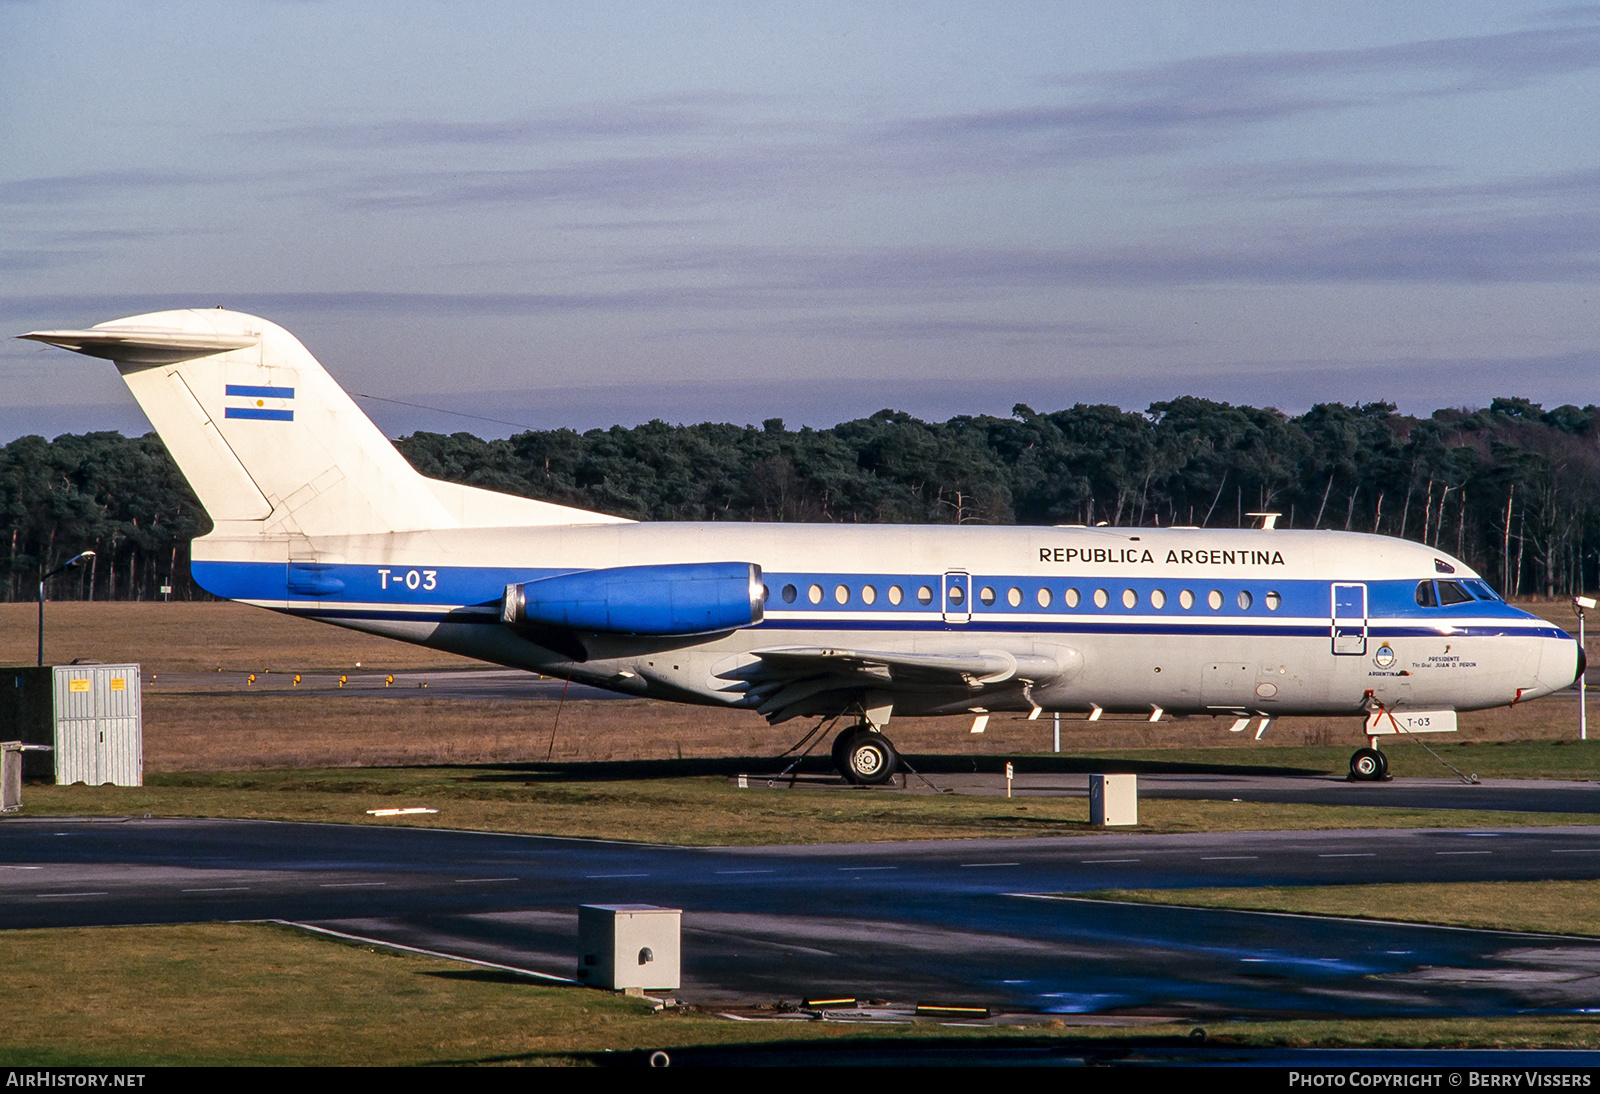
1368	765
865	757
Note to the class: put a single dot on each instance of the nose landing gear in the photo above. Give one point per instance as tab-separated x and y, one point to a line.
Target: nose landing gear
1369	765
864	756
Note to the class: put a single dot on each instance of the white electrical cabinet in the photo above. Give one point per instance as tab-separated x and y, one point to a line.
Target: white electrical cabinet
622	946
90	716
1113	799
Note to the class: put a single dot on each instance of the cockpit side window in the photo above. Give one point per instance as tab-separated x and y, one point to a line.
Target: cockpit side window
1425	595
1451	592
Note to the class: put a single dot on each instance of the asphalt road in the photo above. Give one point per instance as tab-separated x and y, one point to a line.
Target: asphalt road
1509	795
990	921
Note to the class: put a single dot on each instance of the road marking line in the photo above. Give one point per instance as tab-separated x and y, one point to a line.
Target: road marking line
1463	852
1225	858
747	871
482	880
859	869
425	953
977	865
220	889
1351	854
591	877
1553	851
47	896
1096	861
21	867
351	884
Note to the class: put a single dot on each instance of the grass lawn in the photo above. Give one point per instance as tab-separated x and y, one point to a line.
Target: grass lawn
703	810
261	994
1549	907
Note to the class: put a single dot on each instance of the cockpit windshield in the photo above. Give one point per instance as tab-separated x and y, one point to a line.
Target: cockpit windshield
1442	593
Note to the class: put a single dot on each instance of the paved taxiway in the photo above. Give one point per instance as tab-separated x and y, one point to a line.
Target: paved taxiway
1509	795
989	921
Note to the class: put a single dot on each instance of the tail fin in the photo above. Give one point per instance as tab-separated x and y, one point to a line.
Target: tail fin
265	436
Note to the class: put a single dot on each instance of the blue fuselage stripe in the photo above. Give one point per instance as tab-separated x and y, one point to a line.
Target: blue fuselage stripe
431	594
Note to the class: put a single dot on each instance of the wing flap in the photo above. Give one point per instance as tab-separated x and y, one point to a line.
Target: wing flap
892	666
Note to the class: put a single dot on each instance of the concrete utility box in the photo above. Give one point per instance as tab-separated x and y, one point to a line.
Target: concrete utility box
1113	799
624	946
11	753
10	776
91	717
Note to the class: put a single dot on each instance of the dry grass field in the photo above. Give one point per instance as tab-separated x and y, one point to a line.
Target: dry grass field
192	730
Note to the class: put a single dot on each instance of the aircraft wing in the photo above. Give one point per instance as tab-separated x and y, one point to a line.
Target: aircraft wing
783	680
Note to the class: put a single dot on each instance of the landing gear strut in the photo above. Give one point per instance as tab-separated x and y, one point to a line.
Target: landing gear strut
1368	765
864	756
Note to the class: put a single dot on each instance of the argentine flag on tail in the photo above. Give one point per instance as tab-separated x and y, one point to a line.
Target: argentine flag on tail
270	404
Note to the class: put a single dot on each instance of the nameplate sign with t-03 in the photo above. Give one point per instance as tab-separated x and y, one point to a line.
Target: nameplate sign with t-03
1380	722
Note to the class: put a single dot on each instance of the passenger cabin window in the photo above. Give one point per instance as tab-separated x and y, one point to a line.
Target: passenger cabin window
1425	597
1451	592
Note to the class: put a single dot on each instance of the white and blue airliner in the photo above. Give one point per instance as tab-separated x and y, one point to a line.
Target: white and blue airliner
316	514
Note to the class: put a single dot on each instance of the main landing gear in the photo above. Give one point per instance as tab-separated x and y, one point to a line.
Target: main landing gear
864	756
1368	765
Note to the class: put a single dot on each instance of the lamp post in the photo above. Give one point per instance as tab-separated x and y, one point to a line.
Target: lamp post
1579	603
61	569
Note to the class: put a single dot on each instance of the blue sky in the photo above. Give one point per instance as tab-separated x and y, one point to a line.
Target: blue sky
586	214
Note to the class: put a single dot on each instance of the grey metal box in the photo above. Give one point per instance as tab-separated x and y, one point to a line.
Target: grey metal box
10	776
92	716
1113	799
629	946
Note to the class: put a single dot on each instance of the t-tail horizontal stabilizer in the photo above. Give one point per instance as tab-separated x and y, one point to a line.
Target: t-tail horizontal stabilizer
269	441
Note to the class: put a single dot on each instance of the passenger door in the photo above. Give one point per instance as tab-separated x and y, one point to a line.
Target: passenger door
1349	624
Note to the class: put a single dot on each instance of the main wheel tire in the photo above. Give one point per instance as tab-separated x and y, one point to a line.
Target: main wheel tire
1383	759
1368	765
841	743
870	760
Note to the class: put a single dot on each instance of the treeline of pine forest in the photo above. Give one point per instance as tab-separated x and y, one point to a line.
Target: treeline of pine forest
1513	489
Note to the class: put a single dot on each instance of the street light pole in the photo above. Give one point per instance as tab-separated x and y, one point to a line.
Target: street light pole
61	569
1579	603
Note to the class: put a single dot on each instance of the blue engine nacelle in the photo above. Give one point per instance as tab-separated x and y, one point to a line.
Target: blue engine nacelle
692	598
